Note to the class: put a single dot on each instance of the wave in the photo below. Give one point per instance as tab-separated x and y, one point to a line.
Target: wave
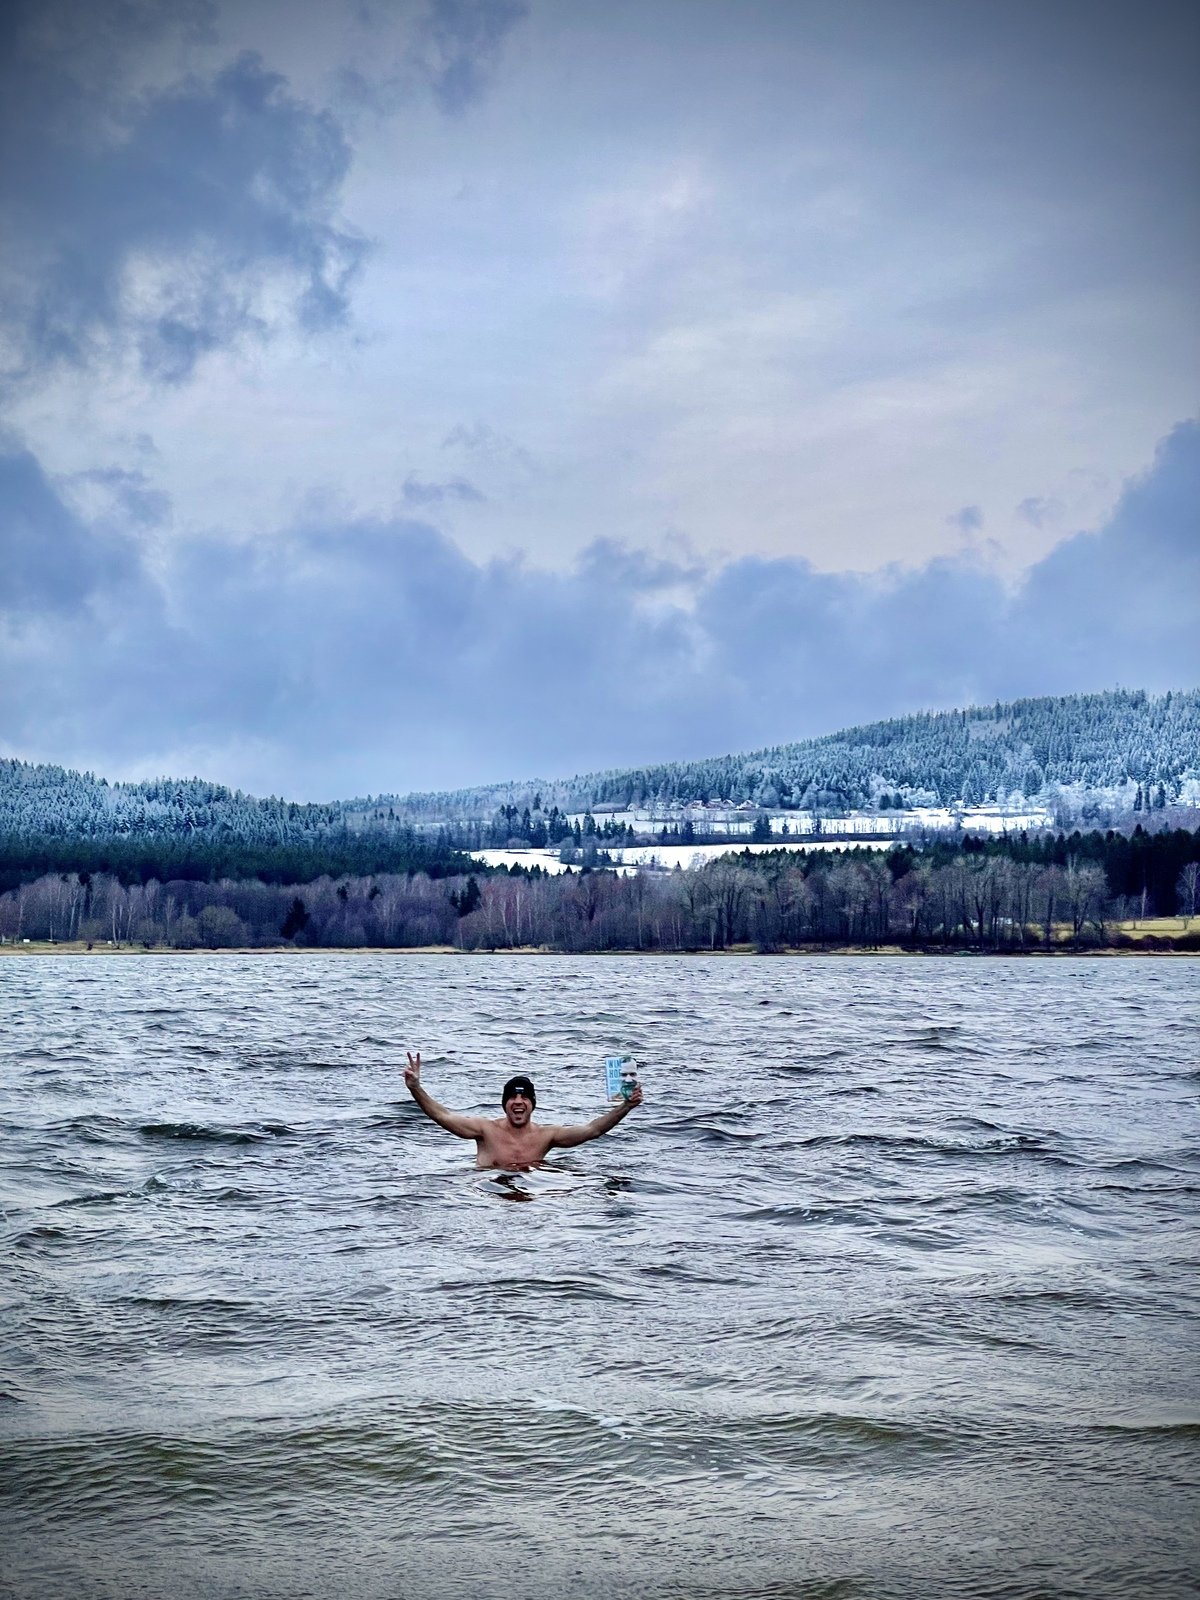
1064	1298
92	1128
101	1128
41	1234
207	1133
1181	1428
105	1197
797	1214
1038	1144
440	1451
933	1035
702	1123
946	1328
1148	1189
188	1305
499	1292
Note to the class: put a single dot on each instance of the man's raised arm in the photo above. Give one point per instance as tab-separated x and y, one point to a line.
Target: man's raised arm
453	1121
564	1138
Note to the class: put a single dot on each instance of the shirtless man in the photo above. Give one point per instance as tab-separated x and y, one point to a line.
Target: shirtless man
512	1142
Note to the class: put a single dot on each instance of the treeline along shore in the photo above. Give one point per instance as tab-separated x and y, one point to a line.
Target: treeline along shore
1079	892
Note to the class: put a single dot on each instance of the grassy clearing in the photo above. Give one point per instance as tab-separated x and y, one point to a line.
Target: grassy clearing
1157	927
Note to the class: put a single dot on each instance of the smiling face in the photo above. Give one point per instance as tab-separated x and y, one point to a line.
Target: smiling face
518	1098
518	1109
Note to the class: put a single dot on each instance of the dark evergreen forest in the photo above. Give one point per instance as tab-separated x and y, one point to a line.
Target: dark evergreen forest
1011	895
141	858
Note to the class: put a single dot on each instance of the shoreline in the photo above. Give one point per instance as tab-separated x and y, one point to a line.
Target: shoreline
79	947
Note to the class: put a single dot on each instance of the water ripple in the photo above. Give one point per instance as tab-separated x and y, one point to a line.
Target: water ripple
890	1289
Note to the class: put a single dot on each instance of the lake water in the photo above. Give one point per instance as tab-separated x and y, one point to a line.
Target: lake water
889	1289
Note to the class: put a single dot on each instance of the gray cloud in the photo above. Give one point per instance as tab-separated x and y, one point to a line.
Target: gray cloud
462	41
1039	511
371	655
151	219
92	46
1129	594
417	493
53	564
449	50
968	520
481	443
792	279
135	500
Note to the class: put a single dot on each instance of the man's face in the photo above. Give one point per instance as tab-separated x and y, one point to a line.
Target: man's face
518	1110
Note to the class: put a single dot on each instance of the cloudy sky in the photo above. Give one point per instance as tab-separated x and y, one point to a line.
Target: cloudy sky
401	394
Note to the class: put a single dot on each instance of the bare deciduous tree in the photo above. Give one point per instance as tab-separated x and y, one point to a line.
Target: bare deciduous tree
1187	892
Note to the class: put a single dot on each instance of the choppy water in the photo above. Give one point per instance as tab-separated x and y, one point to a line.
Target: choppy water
888	1290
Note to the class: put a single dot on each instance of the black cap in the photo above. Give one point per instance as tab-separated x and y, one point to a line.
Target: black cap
518	1085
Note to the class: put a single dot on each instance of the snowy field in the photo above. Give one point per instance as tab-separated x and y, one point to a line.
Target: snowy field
739	821
837	833
665	857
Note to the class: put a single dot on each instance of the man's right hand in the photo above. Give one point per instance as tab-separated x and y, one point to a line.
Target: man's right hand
412	1072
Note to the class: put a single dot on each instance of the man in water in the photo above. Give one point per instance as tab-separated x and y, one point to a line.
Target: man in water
512	1142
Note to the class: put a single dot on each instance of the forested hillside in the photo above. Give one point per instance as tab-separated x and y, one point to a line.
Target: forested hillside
54	820
1134	751
52	801
1127	746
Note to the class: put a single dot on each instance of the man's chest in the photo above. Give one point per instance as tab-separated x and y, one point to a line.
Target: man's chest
505	1149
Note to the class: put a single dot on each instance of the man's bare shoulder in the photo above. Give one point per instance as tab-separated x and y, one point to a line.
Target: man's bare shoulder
551	1131
490	1127
472	1126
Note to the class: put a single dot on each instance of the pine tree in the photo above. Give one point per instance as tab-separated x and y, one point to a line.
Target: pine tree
466	901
